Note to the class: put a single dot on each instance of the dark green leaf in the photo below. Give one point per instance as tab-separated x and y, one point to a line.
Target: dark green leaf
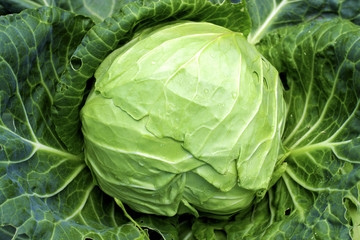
320	63
267	15
45	192
89	8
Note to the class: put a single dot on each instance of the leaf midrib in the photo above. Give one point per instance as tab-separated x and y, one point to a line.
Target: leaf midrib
41	147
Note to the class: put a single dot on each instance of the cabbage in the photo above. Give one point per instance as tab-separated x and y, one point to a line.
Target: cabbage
186	117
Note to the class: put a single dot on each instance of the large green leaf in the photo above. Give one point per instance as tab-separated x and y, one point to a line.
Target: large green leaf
45	192
318	196
88	8
267	15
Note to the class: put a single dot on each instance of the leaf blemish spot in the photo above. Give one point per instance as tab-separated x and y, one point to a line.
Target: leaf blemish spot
287	212
76	63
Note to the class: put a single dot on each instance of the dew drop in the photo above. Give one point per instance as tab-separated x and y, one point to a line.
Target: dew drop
171	107
234	95
206	91
213	54
124	180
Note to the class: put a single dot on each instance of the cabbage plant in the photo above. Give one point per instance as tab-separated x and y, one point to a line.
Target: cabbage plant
179	119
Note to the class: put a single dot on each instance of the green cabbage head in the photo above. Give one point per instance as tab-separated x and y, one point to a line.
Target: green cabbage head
186	117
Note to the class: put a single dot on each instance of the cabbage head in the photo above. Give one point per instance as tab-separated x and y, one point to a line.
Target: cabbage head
186	117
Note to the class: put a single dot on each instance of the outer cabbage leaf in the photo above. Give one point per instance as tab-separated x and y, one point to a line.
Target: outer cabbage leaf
267	15
318	196
89	8
97	10
45	191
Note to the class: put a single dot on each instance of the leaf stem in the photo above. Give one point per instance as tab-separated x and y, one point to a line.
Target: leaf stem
254	38
121	205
